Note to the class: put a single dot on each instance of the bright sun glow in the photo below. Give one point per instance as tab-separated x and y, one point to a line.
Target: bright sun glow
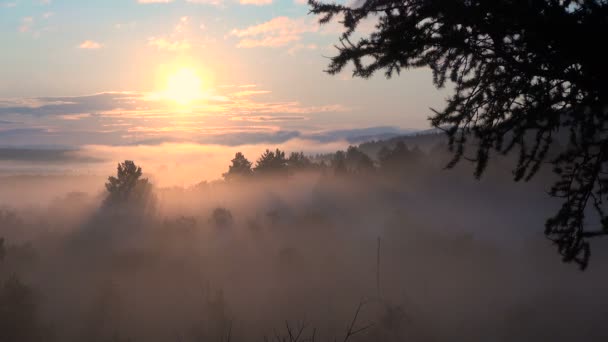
184	86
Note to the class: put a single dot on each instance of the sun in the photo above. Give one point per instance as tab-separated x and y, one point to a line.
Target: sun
184	86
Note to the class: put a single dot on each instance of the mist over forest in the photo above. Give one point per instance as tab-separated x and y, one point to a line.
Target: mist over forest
375	242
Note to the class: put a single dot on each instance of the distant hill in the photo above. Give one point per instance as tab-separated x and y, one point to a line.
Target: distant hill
371	145
425	140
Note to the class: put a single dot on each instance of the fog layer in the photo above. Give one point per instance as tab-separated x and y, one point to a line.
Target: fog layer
422	254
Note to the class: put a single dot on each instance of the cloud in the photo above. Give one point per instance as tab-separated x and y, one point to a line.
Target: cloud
129	25
177	40
154	1
207	2
250	93
168	44
118	118
49	106
268	118
90	45
255	2
9	122
45	155
74	117
279	31
26	24
298	47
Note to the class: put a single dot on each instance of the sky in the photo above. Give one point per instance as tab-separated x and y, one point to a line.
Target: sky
225	72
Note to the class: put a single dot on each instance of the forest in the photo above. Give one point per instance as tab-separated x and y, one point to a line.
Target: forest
374	243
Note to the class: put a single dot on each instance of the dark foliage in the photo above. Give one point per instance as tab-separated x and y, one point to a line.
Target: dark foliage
357	161
272	163
128	186
525	73
297	161
338	163
18	309
2	250
396	159
222	217
240	168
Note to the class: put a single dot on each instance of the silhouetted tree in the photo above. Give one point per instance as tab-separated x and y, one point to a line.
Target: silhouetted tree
357	161
2	250
272	163
525	73
18	310
338	163
240	168
298	161
222	217
397	159
128	186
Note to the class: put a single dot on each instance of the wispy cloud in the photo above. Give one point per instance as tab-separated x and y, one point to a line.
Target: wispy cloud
279	31
255	2
298	47
35	28
90	45
207	2
26	24
249	93
167	44
127	117
154	1
268	118
176	41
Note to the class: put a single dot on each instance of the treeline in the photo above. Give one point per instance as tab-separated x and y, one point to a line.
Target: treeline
129	189
275	163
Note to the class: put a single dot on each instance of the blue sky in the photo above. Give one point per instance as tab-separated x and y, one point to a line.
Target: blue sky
97	73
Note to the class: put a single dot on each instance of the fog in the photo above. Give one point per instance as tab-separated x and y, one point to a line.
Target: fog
423	254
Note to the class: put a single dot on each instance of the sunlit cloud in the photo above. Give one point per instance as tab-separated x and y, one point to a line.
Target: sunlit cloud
298	47
128	25
279	31
255	2
207	2
177	40
268	118
154	1
182	25
26	24
167	44
75	117
90	45
128	117
250	93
